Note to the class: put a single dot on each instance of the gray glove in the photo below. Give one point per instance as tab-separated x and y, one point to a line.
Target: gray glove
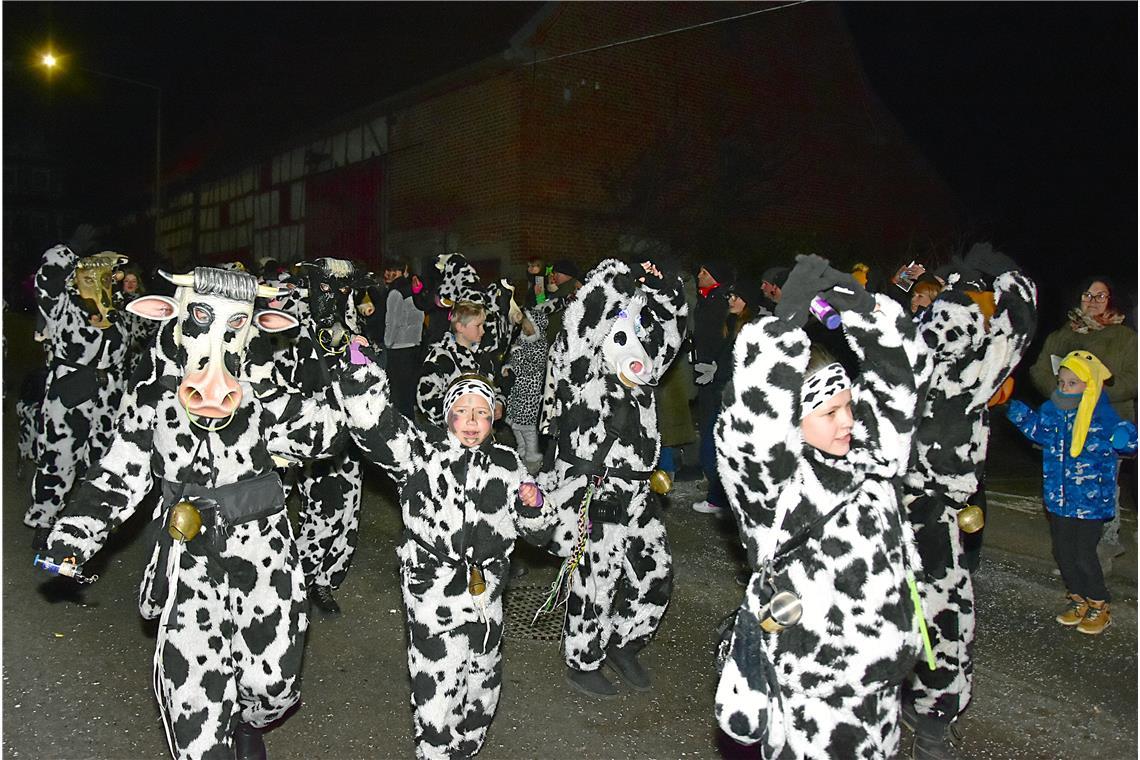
704	372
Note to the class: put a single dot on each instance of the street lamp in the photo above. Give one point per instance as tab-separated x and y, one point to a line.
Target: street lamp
50	62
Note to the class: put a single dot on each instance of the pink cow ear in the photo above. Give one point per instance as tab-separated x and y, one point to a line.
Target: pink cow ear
273	321
160	308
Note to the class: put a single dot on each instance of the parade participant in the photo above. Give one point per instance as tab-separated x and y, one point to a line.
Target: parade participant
619	336
464	500
457	353
330	488
709	341
223	579
527	368
403	323
971	360
86	345
810	462
1081	436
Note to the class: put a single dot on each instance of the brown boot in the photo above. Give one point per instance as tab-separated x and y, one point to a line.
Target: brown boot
1096	619
1074	611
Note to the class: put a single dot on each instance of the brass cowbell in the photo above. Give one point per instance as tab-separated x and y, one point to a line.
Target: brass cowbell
185	521
476	585
660	482
971	519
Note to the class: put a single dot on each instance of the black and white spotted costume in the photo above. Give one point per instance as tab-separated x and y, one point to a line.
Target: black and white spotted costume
461	510
330	488
840	668
447	359
949	452
622	586
68	438
528	370
231	601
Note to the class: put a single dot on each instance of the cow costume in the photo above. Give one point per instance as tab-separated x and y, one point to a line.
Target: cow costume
330	488
447	359
86	346
462	511
822	524
208	425
618	338
971	360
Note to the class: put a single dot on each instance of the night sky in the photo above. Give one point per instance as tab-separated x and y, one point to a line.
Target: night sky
1027	110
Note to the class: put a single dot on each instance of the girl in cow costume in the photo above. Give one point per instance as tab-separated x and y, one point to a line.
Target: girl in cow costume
208	424
617	339
972	357
464	502
810	463
330	488
86	346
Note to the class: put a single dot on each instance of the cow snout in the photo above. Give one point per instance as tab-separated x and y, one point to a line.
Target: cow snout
637	371
211	392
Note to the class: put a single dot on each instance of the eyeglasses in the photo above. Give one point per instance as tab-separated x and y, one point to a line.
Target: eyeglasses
1100	297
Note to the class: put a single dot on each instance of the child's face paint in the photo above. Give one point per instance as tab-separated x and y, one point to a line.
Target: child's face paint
828	428
1069	383
470	419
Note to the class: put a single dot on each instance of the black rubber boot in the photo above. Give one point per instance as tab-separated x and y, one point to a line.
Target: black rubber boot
591	683
248	743
632	673
932	740
321	597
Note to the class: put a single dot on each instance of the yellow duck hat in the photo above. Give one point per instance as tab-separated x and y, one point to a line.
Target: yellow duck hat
1093	374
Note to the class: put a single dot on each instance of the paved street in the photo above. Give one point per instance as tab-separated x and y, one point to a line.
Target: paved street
77	671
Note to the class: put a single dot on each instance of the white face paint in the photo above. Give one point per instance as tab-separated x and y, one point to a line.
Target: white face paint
622	349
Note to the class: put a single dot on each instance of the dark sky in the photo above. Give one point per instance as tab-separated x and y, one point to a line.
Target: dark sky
1027	110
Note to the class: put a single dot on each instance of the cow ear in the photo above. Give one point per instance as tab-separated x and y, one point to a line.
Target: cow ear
159	308
273	321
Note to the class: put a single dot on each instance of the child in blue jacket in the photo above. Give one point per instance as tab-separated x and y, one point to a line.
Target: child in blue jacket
1081	437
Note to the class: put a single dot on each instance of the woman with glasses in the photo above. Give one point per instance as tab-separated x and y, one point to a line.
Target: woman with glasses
1096	325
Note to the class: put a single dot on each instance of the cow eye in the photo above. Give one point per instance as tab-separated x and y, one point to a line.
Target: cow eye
237	321
202	315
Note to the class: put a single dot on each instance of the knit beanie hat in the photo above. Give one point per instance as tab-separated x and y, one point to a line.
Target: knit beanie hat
1092	373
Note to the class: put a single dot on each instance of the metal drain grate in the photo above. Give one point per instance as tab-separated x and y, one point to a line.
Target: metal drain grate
519	606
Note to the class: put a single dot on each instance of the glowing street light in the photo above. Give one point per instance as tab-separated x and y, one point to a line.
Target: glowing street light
50	61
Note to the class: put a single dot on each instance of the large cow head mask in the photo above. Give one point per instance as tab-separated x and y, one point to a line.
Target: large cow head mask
214	309
93	278
330	282
622	350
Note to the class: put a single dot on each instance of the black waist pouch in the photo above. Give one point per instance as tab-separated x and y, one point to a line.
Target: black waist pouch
608	511
78	386
237	503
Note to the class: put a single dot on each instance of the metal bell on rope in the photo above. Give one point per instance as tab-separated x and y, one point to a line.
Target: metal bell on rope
475	584
185	521
660	482
971	519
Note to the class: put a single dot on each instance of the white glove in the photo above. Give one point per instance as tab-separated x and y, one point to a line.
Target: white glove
705	372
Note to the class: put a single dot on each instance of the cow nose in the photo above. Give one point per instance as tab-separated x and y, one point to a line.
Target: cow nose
636	367
210	393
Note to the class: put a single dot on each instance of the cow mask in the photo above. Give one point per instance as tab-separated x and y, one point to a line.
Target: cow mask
93	278
622	349
330	282
214	309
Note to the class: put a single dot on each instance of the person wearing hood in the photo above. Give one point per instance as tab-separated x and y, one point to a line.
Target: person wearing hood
1081	436
464	500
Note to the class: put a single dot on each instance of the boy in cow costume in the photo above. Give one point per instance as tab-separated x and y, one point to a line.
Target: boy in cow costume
617	339
330	488
971	360
224	577
86	346
464	500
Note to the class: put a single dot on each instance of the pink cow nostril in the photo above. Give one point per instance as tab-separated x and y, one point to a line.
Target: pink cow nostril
636	367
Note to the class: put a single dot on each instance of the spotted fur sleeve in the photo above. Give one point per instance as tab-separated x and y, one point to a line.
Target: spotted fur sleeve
111	490
895	366
438	369
757	434
51	285
385	436
665	330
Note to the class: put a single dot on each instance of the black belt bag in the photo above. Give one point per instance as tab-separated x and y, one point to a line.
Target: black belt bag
606	511
82	384
237	503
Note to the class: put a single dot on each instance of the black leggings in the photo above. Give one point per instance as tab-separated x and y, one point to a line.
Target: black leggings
1074	548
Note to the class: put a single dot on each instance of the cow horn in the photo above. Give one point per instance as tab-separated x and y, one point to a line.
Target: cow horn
268	291
181	280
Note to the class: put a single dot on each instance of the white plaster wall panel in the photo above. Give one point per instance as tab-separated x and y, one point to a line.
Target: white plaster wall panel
355	145
338	149
297	200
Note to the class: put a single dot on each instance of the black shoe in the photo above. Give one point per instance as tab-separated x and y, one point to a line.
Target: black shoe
39	539
624	662
932	740
321	597
248	743
591	683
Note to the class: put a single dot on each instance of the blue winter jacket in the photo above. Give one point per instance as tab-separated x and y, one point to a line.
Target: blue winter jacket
1083	486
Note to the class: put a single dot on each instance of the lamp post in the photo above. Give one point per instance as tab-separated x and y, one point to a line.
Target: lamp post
51	62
